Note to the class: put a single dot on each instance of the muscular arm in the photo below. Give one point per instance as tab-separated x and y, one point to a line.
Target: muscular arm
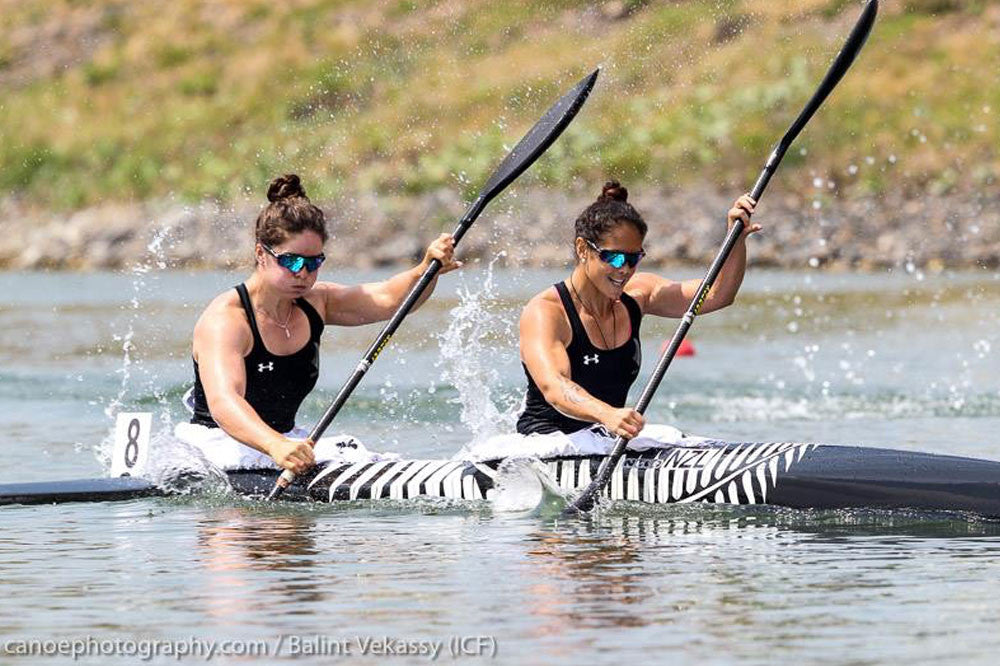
221	339
666	298
220	342
544	336
377	301
356	305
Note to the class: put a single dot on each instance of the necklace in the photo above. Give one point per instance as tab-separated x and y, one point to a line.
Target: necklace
284	327
614	319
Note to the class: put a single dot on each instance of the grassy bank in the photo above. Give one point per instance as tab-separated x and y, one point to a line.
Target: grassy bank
106	101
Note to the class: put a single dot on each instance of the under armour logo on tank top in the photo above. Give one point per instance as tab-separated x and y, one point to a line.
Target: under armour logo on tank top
587	360
261	367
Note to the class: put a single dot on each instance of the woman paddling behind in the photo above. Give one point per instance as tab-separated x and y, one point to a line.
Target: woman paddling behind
580	339
256	347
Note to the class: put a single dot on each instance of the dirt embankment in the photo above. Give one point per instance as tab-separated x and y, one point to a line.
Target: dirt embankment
534	228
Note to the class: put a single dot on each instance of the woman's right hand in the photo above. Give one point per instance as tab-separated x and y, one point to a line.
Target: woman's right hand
294	455
742	209
442	249
624	422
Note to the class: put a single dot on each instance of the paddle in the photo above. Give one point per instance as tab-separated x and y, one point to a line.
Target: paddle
524	154
585	501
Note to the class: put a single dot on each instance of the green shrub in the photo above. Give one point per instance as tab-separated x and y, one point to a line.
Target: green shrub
200	84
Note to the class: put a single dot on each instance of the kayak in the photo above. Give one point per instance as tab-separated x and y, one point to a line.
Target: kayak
795	475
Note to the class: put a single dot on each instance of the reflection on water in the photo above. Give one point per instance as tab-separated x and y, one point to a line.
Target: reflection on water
697	582
605	573
233	543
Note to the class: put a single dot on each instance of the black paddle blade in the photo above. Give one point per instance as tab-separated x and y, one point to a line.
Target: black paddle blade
539	138
843	62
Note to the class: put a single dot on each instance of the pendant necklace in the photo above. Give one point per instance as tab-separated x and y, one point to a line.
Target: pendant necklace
284	327
614	319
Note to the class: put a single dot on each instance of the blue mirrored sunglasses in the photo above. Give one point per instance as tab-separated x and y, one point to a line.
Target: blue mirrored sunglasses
295	262
617	258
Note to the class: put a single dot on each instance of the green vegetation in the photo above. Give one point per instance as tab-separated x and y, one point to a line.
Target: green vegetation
200	99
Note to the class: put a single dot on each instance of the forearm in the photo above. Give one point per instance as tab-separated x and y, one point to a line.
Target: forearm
574	401
241	422
399	286
730	279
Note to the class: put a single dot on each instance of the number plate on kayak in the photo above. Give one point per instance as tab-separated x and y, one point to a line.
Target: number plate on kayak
131	443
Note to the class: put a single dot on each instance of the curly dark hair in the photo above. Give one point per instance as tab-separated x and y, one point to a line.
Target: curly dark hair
290	212
610	210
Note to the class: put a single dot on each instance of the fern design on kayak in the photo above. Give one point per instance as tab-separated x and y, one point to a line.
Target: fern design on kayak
712	472
718	472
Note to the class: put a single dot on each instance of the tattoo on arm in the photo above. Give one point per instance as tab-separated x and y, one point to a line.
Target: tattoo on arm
572	392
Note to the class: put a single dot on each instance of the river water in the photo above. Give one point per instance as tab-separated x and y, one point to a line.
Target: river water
900	359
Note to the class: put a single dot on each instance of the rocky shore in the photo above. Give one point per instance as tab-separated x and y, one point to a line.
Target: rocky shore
533	227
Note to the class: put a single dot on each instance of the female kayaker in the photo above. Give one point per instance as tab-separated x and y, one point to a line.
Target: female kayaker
580	338
256	347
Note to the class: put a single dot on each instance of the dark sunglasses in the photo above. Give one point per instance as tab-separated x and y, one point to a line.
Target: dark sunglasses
295	262
617	258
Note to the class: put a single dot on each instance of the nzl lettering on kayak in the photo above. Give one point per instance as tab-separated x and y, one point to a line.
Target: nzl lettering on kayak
679	459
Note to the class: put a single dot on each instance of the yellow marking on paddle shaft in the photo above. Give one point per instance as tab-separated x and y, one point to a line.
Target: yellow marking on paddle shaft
701	302
380	348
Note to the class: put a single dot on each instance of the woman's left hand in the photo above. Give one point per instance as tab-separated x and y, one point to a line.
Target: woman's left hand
742	210
442	249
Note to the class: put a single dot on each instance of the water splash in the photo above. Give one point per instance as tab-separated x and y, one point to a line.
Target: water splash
173	465
179	468
469	359
523	485
142	274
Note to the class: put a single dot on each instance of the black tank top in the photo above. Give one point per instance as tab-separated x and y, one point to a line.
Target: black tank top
275	385
606	374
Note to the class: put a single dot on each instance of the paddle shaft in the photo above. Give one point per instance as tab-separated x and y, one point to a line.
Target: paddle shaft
369	357
585	501
390	327
522	156
699	299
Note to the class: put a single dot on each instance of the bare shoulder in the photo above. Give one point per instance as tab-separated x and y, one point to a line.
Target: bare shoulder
544	315
322	294
336	303
223	326
643	287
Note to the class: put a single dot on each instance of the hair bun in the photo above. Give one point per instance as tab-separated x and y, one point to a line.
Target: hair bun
613	190
285	187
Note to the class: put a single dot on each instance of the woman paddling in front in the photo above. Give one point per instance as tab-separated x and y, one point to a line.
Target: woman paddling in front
580	338
256	347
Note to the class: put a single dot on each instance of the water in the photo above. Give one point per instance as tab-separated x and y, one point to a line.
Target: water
903	360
